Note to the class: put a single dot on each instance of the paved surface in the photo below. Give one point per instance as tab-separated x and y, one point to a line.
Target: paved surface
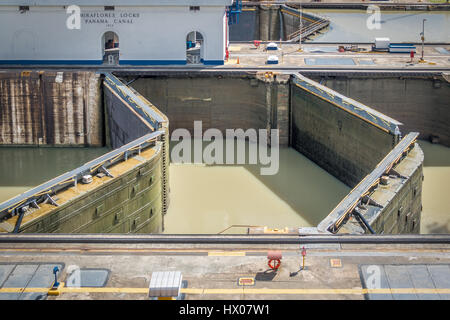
333	271
26	275
326	55
419	277
246	57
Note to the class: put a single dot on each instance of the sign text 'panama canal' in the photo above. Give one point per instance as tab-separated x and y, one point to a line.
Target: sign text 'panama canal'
109	18
75	17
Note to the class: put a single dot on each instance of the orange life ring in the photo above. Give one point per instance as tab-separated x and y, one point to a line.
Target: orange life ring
276	265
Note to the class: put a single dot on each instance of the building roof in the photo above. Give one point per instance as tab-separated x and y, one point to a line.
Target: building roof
116	2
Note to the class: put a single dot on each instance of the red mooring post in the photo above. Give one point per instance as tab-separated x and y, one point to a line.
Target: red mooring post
303	255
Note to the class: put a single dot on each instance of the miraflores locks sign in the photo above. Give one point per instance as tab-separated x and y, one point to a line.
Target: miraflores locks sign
109	18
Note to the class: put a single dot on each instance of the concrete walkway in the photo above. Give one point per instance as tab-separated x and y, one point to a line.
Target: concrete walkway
327	55
333	271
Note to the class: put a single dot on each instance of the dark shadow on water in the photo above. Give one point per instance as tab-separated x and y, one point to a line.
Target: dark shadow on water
403	16
436	228
436	155
308	189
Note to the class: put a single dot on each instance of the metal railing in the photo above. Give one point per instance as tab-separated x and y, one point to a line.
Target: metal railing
351	106
150	115
308	30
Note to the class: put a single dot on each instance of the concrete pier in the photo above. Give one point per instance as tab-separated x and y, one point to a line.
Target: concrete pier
333	270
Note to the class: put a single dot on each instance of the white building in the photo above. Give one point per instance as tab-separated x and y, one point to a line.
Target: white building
128	32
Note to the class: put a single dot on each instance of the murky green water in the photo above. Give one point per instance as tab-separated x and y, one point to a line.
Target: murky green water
24	168
436	188
399	26
209	199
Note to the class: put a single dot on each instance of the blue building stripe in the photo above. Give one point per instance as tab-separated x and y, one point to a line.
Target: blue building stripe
152	62
213	62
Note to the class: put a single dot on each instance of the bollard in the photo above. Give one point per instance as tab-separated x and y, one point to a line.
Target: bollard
303	255
54	290
55	272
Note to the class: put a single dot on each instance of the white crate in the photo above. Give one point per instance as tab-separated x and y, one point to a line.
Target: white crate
272	46
272	60
165	284
382	43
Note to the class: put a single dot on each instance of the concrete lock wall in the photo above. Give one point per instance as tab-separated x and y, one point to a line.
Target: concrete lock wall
130	203
50	108
257	23
137	116
420	103
395	206
222	102
344	137
248	28
346	145
124	125
291	20
402	198
269	23
133	199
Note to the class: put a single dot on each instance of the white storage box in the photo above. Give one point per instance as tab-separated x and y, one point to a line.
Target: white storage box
272	60
165	284
382	43
272	46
